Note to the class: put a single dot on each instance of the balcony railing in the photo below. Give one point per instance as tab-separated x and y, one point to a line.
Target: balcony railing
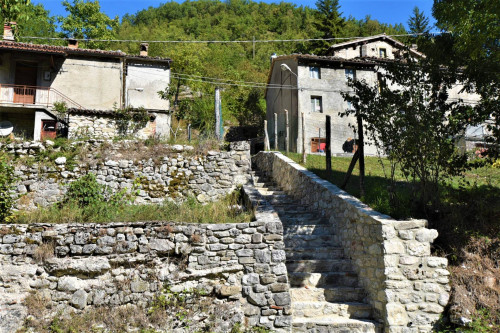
34	96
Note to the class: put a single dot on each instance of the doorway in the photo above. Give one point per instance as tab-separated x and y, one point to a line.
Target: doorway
25	80
49	130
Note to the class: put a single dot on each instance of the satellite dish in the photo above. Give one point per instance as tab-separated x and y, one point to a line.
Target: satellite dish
6	128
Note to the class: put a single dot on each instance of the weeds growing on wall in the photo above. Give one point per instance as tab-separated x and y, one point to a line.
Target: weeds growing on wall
7	180
119	209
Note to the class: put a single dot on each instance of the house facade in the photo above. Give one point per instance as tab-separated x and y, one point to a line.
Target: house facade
312	85
37	82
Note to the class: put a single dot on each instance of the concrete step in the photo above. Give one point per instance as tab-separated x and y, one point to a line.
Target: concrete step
319	266
334	325
323	280
308	229
319	309
312	253
331	294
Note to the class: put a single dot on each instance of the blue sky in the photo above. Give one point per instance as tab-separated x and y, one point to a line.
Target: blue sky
386	11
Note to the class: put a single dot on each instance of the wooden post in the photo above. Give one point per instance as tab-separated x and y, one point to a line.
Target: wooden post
275	131
328	148
349	170
304	155
266	139
287	132
361	145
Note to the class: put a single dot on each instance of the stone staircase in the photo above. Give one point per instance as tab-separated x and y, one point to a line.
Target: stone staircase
324	290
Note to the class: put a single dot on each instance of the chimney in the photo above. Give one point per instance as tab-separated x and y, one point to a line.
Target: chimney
144	49
7	31
273	56
73	44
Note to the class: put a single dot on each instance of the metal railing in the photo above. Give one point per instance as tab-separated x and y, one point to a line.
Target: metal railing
34	95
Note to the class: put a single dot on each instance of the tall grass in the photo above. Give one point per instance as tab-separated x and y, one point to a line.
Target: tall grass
191	211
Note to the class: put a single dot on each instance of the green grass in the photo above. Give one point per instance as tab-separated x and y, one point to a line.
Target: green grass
470	205
190	211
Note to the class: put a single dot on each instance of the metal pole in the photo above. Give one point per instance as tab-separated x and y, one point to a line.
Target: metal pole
287	143
217	113
253	55
275	131
189	132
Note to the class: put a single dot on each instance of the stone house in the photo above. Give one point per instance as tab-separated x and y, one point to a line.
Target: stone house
313	84
36	79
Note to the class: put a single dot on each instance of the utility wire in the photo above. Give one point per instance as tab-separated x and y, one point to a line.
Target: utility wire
225	41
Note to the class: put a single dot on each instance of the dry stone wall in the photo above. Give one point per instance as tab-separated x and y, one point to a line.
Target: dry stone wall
179	174
407	287
74	267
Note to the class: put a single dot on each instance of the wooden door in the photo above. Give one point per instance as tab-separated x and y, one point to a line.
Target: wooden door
49	129
25	80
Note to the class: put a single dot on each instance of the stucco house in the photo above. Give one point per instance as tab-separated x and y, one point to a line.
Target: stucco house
313	84
36	79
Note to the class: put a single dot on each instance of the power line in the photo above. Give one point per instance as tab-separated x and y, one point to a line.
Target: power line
224	41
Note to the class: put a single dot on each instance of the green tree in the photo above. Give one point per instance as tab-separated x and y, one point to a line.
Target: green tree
409	118
12	10
37	22
418	22
470	48
7	180
329	23
85	20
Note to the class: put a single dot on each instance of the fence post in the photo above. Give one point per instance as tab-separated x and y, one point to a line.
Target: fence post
275	131
328	149
304	155
287	132
266	139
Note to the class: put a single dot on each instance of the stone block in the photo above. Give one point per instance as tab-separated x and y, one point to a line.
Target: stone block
426	235
226	291
394	247
396	314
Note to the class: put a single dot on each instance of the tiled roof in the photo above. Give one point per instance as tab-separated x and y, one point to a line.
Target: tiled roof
65	51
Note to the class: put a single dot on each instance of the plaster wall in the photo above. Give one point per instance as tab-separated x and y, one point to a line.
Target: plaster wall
151	78
93	83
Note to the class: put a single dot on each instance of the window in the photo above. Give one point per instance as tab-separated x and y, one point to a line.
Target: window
382	53
316	104
350	74
314	73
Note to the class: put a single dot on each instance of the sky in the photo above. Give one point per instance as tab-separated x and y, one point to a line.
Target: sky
386	11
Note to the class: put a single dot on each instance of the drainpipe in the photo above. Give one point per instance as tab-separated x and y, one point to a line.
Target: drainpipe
123	80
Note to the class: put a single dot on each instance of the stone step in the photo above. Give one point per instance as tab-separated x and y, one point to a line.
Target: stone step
308	229
298	241
266	192
323	280
291	220
334	325
312	253
319	266
319	309
332	294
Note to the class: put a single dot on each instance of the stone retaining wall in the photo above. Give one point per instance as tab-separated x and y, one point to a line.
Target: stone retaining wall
176	175
407	287
82	266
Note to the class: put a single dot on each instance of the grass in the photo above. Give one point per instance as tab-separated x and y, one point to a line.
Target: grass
470	205
191	211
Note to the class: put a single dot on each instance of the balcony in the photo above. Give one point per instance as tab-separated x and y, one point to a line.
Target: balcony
33	97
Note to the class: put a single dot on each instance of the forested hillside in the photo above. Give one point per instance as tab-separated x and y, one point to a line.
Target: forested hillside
210	20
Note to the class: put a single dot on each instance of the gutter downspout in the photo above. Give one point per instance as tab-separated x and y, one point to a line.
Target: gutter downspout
123	79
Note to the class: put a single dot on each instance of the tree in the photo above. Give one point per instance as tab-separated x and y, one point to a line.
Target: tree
86	21
418	22
409	118
329	23
36	21
11	10
470	48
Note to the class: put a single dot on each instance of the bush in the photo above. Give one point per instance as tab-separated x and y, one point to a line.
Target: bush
86	191
7	180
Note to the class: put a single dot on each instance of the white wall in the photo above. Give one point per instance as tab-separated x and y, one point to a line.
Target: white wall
150	78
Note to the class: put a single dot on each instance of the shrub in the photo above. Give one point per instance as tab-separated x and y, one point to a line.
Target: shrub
7	180
86	191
